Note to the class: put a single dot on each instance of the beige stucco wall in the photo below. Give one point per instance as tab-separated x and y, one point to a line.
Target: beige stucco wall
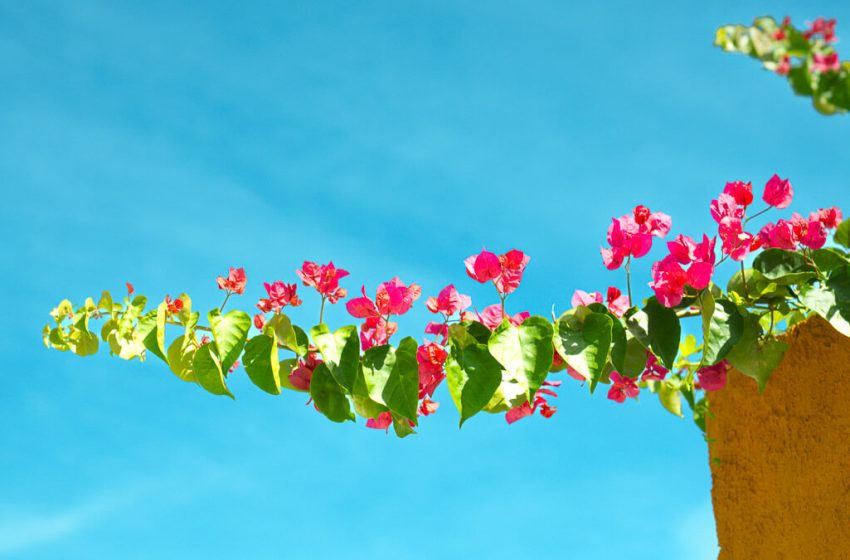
780	462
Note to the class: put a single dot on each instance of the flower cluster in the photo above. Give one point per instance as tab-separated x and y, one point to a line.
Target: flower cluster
631	235
807	57
617	303
505	271
391	298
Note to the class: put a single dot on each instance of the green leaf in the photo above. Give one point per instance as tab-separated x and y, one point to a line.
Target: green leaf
755	358
402	427
525	352
151	331
329	396
722	327
230	332
842	234
831	300
634	361
341	351
180	355
829	259
583	340
392	377
261	363
85	343
664	331
783	267
208	370
401	392
288	334
670	398
472	375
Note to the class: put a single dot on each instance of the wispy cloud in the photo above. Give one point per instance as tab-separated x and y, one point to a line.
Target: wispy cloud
19	532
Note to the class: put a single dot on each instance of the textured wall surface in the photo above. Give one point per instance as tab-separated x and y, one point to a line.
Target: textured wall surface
780	462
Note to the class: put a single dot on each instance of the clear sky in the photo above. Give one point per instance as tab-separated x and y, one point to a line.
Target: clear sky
160	144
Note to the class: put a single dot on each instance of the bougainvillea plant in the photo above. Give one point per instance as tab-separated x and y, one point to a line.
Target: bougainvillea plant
806	57
498	362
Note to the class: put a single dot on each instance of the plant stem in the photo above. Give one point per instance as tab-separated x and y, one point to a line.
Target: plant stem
744	281
756	215
322	310
629	278
226	297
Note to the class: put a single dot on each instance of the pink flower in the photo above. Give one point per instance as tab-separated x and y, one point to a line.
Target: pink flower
504	270
622	387
812	233
737	243
382	422
432	360
631	235
778	192
654	370
682	249
618	303
823	63
669	278
491	317
259	321
391	298
280	295
826	27
525	409
235	281
428	407
789	234
725	206
742	192
448	302
784	66
668	281
302	374
712	378
438	329
580	297
376	331
174	305
830	217
324	278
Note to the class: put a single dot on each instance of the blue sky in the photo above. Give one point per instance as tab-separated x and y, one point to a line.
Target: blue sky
160	144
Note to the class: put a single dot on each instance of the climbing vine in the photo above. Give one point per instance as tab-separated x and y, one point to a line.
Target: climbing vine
494	361
807	58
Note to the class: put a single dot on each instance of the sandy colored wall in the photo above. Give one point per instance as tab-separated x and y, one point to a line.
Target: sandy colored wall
780	462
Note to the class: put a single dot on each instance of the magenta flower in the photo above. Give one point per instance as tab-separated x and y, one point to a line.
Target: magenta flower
526	409
830	217
391	298
737	243
280	295
448	302
740	191
235	281
712	378
376	331
324	278
631	235
302	374
669	278
654	370
789	234
505	271
778	192
825	27
432	361
618	304
823	63
622	387
725	206
492	316
382	422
